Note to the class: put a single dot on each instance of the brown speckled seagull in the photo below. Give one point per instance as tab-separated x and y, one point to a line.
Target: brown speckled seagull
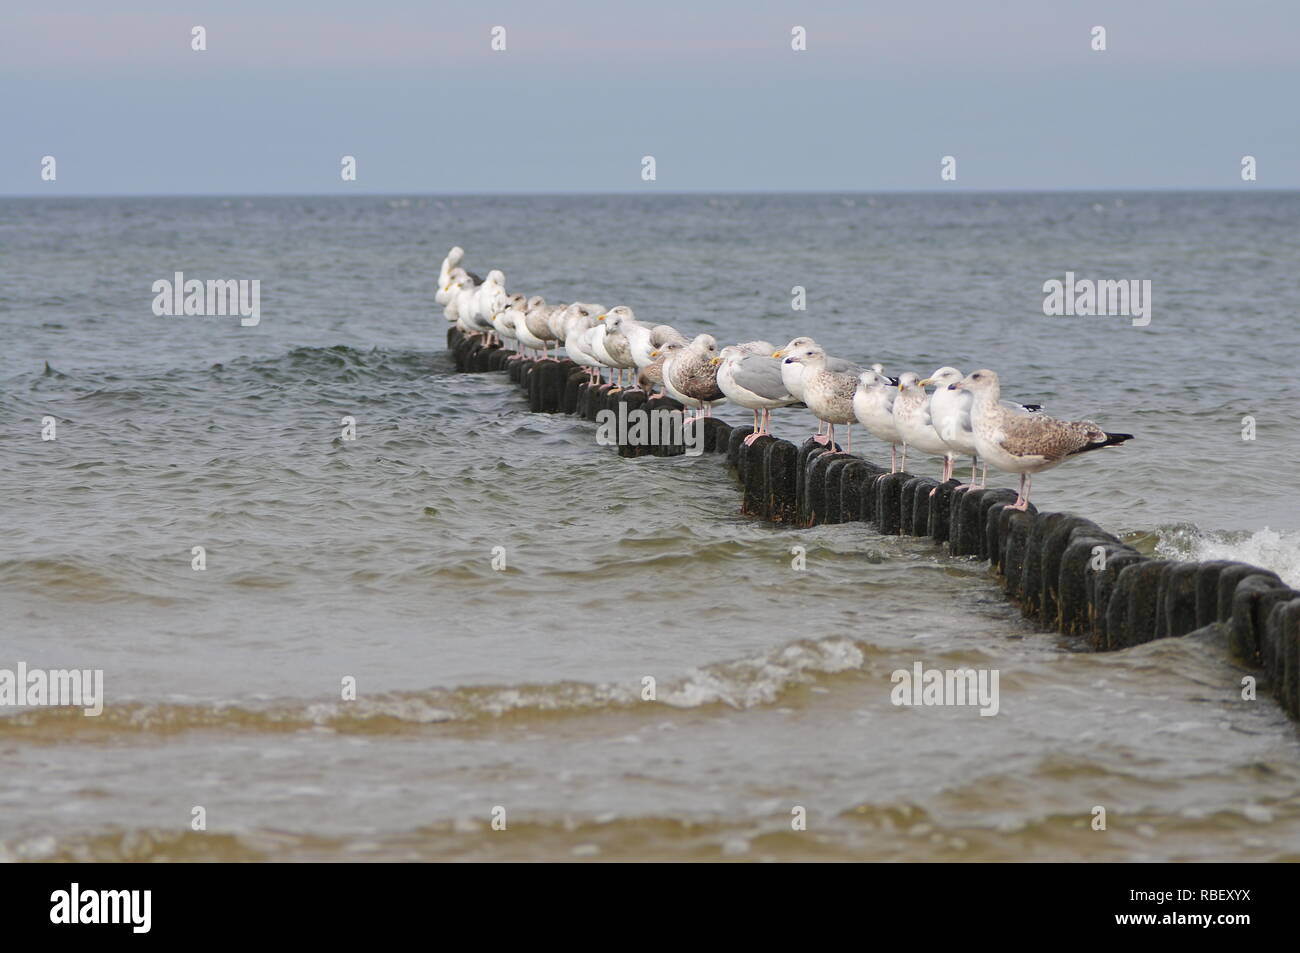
828	395
691	376
1026	443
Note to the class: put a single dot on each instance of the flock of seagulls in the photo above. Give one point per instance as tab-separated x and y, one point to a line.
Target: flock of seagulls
965	416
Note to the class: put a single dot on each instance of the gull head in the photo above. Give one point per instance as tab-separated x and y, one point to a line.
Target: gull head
808	356
909	380
705	344
616	318
497	277
798	344
729	353
980	382
945	377
668	350
874	378
455	255
536	301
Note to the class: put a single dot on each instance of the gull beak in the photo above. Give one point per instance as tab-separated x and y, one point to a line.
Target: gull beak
654	353
900	385
778	353
714	362
600	318
925	383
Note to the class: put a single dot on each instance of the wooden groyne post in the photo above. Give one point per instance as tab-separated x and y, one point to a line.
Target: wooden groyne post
1063	571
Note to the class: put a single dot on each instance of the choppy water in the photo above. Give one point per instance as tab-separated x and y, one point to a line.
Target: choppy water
522	688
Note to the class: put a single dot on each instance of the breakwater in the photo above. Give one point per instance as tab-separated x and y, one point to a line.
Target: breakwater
1063	571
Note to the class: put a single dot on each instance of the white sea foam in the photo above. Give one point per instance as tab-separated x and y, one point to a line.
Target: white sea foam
1266	548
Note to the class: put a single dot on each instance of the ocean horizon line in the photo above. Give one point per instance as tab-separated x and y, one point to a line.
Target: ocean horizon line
649	193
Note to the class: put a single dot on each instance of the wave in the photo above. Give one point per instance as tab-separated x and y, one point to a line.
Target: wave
1267	548
739	684
74	578
332	364
892	831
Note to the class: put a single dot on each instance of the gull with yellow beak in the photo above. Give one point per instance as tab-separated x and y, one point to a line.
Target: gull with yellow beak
753	380
653	373
614	342
792	372
691	375
445	273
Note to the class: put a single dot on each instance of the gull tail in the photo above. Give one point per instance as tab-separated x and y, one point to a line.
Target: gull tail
1112	440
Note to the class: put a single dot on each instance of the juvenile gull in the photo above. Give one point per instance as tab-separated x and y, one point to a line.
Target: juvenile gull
873	405
653	373
615	341
753	380
792	372
950	409
1026	443
828	395
532	323
691	376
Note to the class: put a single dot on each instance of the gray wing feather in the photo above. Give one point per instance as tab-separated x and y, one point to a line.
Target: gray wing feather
762	376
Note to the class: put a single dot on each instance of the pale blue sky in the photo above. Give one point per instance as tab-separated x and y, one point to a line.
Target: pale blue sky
584	89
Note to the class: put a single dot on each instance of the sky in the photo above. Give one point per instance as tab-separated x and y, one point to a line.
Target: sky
1012	90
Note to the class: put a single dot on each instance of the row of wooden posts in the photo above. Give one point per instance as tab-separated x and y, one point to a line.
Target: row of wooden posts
1063	571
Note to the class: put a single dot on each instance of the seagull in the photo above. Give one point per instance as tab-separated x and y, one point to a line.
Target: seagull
615	341
458	283
466	305
792	372
828	395
950	414
950	409
653	373
912	417
578	325
1026	443
504	320
490	298
873	405
752	379
530	323
691	376
449	265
